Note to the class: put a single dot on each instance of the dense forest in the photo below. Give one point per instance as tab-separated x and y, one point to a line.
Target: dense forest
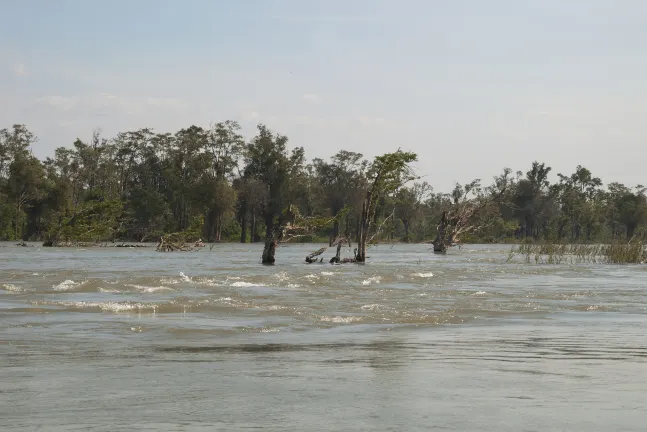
213	184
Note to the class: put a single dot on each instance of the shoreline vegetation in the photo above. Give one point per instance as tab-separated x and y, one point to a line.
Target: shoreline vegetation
537	253
178	191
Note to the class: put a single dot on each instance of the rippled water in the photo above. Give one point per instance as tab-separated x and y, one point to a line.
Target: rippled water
131	339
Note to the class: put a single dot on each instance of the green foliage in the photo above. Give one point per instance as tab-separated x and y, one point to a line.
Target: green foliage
211	183
231	230
92	221
194	231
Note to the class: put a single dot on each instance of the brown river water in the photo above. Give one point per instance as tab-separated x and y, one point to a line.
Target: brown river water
120	339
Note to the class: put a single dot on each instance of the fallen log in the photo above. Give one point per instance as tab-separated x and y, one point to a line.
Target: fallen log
339	242
70	244
309	258
175	243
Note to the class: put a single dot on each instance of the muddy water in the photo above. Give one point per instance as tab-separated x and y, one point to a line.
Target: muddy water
130	339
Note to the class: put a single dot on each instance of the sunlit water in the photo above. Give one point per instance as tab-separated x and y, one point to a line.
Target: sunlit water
112	339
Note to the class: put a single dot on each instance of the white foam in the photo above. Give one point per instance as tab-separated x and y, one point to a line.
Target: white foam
213	282
65	285
374	279
480	293
109	290
107	306
372	307
325	273
185	278
424	275
149	289
169	281
242	284
283	276
340	319
12	288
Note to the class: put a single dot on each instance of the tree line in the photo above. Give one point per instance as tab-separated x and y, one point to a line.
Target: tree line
212	183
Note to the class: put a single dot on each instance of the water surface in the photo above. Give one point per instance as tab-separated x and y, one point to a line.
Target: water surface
131	339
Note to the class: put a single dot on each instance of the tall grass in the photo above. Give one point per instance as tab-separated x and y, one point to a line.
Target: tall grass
551	253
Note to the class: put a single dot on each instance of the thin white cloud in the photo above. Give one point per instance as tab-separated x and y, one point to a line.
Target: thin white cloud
555	113
104	103
58	102
365	120
167	103
249	115
311	98
19	69
108	95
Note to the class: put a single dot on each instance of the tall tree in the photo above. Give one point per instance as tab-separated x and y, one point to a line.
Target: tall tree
385	176
269	162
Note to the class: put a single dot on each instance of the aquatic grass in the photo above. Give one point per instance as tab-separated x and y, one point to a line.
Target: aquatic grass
632	252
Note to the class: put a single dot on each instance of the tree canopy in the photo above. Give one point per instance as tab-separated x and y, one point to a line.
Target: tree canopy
212	183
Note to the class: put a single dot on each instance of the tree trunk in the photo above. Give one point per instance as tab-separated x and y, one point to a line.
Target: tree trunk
337	257
363	229
270	246
254	238
208	228
406	230
269	251
218	226
243	228
335	233
272	238
357	230
440	243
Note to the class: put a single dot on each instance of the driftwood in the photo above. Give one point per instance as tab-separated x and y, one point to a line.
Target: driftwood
452	226
339	242
458	220
176	243
310	258
70	244
290	225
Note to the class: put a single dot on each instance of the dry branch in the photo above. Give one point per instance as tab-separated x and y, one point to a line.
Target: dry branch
177	243
458	221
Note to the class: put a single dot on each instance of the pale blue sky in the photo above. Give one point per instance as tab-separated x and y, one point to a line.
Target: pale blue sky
471	85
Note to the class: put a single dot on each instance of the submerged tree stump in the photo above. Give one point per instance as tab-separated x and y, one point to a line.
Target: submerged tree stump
310	258
339	242
441	240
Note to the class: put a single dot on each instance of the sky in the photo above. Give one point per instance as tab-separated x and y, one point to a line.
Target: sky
472	86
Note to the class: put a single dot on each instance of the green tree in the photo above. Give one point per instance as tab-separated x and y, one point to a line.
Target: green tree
386	174
268	161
